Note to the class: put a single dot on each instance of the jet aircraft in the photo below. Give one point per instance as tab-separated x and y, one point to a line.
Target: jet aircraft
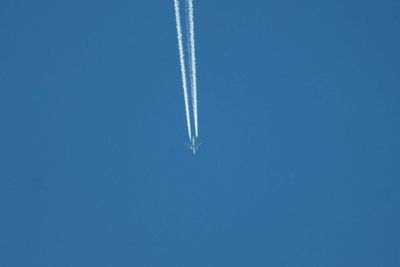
193	146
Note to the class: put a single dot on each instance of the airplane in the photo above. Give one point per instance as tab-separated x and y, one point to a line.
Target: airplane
193	146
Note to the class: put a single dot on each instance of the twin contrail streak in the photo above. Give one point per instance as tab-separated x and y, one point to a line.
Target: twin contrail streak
192	61
183	68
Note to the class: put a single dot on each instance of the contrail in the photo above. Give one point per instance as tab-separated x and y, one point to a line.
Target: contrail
183	68
192	52
190	80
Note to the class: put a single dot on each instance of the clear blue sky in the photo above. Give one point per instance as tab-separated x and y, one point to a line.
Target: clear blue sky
298	112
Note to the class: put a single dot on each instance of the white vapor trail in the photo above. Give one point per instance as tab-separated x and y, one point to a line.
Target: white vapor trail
192	61
183	68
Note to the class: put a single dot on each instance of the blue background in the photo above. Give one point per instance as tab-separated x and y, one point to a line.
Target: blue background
298	112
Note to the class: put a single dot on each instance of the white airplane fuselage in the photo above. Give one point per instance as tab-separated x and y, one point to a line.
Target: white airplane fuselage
193	146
